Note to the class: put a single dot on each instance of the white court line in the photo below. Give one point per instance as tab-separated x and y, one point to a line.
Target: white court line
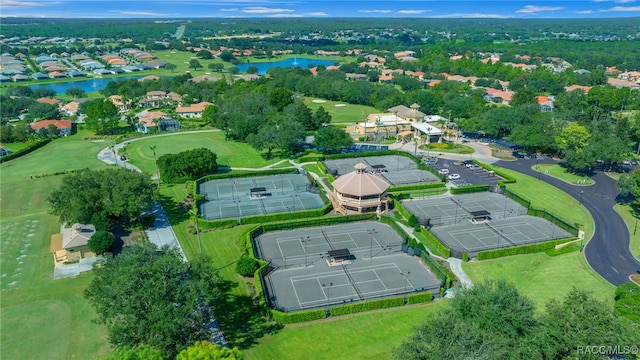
295	292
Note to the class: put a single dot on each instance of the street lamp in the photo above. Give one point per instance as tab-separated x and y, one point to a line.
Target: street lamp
581	193
405	285
371	232
194	213
304	247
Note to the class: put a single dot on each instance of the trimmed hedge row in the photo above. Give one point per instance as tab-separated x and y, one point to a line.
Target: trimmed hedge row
367	306
470	189
416	187
435	267
398	206
507	178
286	216
433	241
554	219
24	151
387	220
321	167
524	249
515	197
419	193
241	174
297	317
420	298
310	158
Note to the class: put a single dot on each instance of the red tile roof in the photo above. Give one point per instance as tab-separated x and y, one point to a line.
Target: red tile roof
60	124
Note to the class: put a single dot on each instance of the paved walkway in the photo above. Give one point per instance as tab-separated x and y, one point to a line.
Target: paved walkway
161	233
62	271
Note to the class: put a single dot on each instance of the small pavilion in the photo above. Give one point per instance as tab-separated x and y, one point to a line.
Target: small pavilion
360	191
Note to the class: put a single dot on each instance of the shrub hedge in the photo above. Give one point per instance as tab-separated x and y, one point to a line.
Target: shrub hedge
367	306
470	189
298	316
524	249
433	241
420	298
387	220
24	151
416	187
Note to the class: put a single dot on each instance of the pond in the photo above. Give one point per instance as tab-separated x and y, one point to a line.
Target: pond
304	63
90	85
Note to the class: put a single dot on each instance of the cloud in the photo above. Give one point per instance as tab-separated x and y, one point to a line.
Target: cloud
230	10
585	12
532	9
136	13
474	16
412	12
265	10
13	3
622	9
284	15
317	13
375	11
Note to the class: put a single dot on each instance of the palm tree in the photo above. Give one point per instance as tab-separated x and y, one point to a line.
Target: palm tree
155	161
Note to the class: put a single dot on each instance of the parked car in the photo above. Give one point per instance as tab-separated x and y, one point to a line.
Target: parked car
443	171
454	177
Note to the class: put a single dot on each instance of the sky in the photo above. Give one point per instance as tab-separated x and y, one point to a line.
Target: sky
499	9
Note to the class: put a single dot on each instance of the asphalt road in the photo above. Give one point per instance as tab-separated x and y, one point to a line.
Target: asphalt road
608	250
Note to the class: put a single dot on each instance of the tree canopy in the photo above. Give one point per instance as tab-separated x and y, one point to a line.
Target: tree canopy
204	350
187	165
493	321
151	296
116	193
101	242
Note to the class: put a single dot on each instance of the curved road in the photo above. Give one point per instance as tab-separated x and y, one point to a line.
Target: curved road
608	250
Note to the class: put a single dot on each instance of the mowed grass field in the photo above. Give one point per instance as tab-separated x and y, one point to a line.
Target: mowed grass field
349	113
42	318
229	153
540	276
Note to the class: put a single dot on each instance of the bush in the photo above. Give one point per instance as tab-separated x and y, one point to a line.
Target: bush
517	250
470	189
412	221
465	256
435	243
297	317
367	306
101	221
246	266
147	221
420	298
101	242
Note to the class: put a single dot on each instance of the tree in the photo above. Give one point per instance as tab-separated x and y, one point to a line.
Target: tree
204	54
147	295
489	321
204	350
101	242
246	266
75	92
194	64
118	193
252	69
627	303
573	138
102	116
280	98
41	111
289	136
53	131
332	138
320	118
142	352
581	319
226	56
217	67
187	165
171	67
630	189
493	321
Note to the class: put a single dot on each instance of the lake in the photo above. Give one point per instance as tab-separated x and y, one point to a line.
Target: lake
290	62
91	85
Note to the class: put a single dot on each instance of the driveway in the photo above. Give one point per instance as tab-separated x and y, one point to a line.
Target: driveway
608	250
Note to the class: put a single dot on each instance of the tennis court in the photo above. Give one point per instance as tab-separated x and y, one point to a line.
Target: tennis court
310	245
240	197
301	276
448	210
500	233
396	170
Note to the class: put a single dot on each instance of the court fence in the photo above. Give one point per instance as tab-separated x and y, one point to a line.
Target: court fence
523	249
468	189
561	223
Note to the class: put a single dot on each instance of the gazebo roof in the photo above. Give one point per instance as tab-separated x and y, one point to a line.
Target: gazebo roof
360	183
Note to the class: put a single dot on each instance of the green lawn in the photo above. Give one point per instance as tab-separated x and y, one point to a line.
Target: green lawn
34	306
540	276
435	148
632	224
229	152
561	173
349	113
371	335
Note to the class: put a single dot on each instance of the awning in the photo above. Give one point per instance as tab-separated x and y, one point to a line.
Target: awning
406	133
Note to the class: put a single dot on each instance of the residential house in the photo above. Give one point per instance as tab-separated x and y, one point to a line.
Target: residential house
72	243
498	96
50	101
353	76
546	103
64	126
201	78
122	106
577	87
4	151
193	111
168	124
148	121
149	78
619	83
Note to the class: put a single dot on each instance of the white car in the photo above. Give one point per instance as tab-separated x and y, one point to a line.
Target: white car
443	171
454	176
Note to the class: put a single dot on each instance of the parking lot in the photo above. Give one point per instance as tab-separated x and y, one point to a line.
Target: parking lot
472	175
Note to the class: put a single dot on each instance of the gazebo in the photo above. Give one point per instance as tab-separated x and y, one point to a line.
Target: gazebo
359	191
